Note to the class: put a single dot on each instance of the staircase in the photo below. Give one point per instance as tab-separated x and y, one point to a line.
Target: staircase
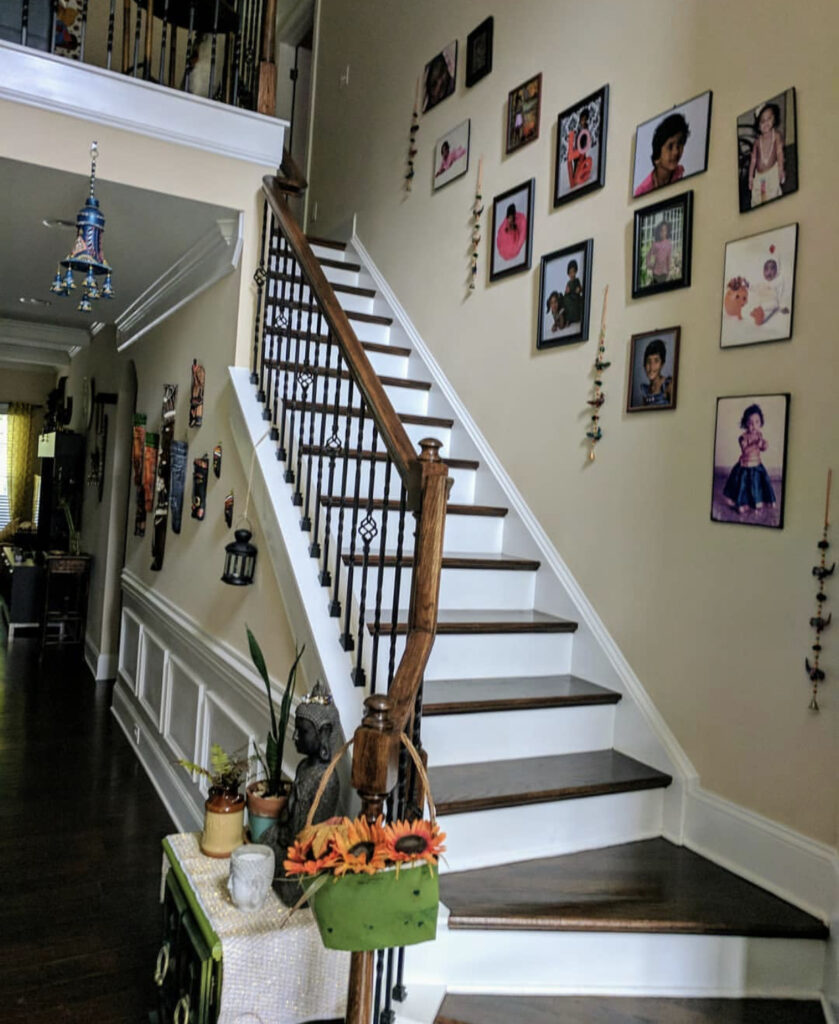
562	899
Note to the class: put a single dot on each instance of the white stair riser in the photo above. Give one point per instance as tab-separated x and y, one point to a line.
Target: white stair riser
326	252
302	320
462	492
484	838
537	732
383	363
322	388
473	535
415	431
499	589
487	655
616	963
286	291
337	275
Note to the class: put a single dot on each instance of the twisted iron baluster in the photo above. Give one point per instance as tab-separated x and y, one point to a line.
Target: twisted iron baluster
308	380
283	319
213	51
24	23
377	618
260	276
335	604
334	446
314	547
138	25
296	319
368	531
346	638
306	520
190	45
281	325
236	55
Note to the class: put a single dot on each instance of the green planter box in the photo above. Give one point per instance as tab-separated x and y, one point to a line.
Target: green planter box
363	912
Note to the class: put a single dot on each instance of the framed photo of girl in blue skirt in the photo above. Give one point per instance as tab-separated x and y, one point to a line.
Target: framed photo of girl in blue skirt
750	460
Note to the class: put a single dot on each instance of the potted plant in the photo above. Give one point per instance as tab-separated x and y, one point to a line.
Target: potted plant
269	795
224	808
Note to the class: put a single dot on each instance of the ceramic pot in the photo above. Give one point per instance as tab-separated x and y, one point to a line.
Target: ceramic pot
224	819
263	811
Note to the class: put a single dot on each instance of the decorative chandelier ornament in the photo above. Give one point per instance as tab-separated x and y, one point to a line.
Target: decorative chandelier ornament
86	255
240	554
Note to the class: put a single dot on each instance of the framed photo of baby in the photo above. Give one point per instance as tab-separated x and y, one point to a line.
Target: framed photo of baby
581	147
512	231
662	246
750	460
758	288
564	296
767	151
451	155
672	146
523	105
653	370
438	79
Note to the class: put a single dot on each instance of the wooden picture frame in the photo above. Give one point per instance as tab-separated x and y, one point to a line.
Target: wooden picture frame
564	296
657	266
581	132
479	52
523	108
512	230
653	370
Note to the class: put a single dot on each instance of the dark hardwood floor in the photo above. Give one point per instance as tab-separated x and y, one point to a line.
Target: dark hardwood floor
80	830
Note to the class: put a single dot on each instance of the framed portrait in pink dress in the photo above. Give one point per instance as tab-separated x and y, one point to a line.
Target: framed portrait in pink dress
512	231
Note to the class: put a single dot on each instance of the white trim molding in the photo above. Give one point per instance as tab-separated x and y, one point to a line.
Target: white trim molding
64	86
37	344
212	257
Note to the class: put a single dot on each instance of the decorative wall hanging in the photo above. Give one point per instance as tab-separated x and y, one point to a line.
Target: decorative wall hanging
150	469
512	230
138	443
759	287
477	213
217	461
451	155
595	431
200	470
523	106
581	147
196	395
564	296
672	146
662	246
86	255
438	80
144	488
412	143
164	476
479	52
767	151
819	623
179	451
653	370
96	474
750	456
228	510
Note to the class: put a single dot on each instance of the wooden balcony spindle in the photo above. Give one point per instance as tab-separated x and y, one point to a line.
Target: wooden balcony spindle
149	43
267	92
111	23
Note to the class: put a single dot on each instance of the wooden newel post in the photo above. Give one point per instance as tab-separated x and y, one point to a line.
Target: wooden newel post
266	97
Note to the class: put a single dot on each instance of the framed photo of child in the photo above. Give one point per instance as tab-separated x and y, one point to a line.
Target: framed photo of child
750	460
662	246
581	147
451	155
523	105
479	52
438	79
767	151
758	288
672	146
564	296
653	370
512	230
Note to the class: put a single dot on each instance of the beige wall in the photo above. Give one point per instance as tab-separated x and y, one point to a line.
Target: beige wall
26	386
712	617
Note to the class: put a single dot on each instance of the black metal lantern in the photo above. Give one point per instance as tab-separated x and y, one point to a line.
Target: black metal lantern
239	560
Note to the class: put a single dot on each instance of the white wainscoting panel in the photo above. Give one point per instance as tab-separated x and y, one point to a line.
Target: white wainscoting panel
152	679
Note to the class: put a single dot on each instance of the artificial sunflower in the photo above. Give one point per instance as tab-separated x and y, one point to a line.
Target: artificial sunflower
413	840
359	847
302	859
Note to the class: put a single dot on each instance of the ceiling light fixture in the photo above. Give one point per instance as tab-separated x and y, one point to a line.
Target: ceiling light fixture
86	255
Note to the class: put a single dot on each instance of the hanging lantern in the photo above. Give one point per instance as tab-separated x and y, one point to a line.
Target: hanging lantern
86	256
239	560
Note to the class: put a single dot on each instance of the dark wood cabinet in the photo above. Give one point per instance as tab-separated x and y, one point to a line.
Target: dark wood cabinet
21	590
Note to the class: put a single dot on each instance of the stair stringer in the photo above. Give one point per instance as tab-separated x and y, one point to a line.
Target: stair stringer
639	730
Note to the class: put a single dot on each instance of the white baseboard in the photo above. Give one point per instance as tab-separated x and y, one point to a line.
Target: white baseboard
102	666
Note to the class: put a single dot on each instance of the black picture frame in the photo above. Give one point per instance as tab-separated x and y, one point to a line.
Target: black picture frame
694	115
454	163
736	489
524	107
519	200
563	315
677	213
645	347
578	159
479	52
748	132
439	77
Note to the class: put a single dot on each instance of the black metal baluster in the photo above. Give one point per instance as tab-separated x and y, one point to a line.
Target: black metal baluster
267	314
24	23
346	638
334	447
314	547
397	583
250	52
368	531
190	46
296	319
377	992
260	276
281	322
335	604
377	615
53	20
236	56
399	992
306	519
164	32
210	92
138	27
111	23
307	381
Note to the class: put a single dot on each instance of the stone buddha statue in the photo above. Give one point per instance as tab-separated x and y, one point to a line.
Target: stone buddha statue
316	735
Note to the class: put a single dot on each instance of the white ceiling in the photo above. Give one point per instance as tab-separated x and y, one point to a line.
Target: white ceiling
145	234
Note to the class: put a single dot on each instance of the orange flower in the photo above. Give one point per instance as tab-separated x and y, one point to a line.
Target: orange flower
413	840
302	860
359	847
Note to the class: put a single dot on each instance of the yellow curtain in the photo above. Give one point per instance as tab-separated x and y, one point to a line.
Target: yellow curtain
23	451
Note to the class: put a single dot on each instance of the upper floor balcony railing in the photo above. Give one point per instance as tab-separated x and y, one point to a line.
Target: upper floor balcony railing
219	49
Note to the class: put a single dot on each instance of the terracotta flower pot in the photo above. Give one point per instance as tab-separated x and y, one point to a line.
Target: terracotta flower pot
263	811
224	818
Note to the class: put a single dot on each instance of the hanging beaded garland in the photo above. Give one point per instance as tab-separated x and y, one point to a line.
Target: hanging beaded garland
412	145
477	210
819	622
594	432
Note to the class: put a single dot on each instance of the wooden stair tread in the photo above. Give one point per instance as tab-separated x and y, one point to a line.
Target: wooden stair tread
329	371
337	501
326	243
507	563
461	788
495	1009
380	456
354	268
367	318
343	410
322	339
456	621
346	289
462	696
650	885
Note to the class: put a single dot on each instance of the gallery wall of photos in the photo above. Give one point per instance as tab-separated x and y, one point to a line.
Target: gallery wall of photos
757	279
